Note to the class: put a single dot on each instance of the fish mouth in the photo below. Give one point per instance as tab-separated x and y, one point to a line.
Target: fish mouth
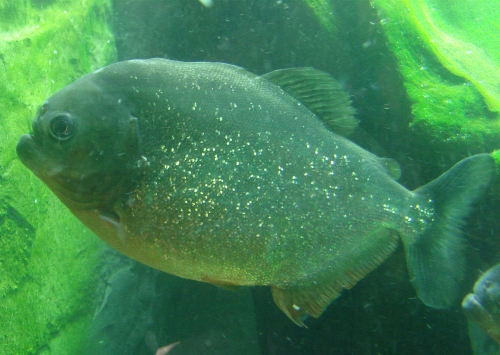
51	174
31	156
29	153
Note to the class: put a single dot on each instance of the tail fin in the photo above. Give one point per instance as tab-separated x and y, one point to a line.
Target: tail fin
435	258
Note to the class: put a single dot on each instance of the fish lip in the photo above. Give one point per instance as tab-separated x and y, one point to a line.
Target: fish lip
31	155
28	152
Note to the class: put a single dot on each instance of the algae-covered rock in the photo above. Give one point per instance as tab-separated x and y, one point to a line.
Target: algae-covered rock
47	258
450	63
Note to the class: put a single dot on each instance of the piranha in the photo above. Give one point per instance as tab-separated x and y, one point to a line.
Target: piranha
212	173
482	306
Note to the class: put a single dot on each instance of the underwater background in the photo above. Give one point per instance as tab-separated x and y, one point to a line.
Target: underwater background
424	78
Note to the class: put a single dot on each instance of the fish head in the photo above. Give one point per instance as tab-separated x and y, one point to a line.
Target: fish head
84	145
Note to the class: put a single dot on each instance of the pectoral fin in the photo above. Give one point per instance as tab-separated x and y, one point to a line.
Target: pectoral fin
114	219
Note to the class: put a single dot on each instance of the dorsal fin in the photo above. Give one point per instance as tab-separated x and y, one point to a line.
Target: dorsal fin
320	93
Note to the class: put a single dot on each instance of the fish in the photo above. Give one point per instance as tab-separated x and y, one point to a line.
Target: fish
481	306
209	172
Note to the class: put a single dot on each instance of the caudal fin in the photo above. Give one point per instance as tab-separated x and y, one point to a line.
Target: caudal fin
436	260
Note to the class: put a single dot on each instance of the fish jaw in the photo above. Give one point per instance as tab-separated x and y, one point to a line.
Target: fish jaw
52	172
29	153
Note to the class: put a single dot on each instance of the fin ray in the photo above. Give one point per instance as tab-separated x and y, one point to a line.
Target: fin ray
300	302
320	93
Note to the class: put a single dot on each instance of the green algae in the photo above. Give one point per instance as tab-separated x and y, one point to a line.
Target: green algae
460	34
47	258
496	155
451	71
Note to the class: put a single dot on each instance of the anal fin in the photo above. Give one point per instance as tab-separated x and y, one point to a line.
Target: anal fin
300	302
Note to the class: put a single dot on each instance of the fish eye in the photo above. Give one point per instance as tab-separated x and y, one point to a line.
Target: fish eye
61	127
